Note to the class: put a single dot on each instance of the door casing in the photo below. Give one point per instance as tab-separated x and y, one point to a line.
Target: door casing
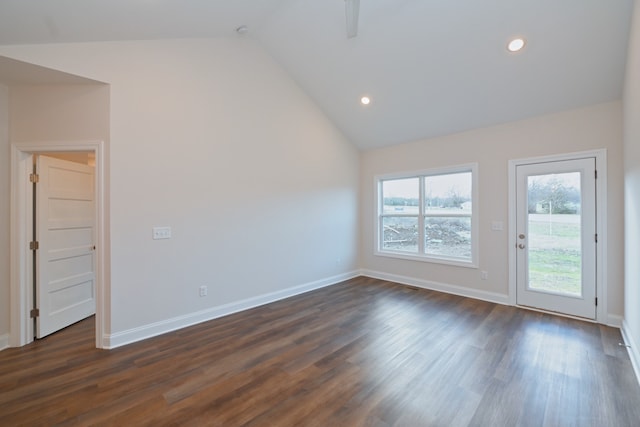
601	224
21	261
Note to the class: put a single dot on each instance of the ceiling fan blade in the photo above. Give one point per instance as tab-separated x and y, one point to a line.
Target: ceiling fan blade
352	8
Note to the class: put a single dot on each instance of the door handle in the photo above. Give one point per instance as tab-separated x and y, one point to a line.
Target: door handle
521	246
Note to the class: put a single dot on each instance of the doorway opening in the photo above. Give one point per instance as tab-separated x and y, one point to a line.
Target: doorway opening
557	214
63	242
557	238
23	266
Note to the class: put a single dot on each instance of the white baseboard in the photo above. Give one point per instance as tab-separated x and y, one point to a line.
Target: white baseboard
614	320
633	349
151	330
441	287
4	341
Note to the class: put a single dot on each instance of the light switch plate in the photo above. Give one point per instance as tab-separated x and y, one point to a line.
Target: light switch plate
161	233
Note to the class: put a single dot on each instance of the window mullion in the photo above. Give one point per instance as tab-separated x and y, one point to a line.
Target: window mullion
380	217
421	236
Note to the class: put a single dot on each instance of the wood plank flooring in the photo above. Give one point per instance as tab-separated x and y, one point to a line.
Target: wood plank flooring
361	353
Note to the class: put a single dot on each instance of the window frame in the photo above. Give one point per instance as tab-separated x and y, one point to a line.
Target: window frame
421	255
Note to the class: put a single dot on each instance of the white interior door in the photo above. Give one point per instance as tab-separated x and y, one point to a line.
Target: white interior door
65	217
556	236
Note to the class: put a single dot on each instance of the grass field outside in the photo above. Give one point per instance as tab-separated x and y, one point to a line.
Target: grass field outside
555	253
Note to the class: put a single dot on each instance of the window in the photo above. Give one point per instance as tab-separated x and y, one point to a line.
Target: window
429	216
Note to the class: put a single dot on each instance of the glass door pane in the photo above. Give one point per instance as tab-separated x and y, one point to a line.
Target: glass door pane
554	225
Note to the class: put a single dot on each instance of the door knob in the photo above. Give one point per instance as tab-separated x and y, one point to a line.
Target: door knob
521	246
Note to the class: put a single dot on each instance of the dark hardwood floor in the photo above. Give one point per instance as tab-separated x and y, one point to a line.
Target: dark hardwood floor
361	353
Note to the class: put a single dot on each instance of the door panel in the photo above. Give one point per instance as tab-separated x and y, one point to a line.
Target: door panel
555	243
65	216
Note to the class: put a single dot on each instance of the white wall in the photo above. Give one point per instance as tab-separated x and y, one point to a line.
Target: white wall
4	215
212	138
631	326
590	128
59	112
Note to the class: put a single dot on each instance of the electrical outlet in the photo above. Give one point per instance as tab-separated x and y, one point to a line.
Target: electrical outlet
203	291
484	275
161	233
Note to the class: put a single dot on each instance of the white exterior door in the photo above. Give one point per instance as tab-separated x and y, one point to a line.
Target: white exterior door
64	220
556	236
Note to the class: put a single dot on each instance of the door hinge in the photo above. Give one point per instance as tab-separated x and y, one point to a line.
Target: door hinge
34	177
35	313
596	173
596	301
596	237
34	246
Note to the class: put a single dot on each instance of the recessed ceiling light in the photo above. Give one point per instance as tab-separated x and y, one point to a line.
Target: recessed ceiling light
365	100
516	44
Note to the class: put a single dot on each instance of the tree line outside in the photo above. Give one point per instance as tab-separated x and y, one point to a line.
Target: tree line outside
553	197
452	199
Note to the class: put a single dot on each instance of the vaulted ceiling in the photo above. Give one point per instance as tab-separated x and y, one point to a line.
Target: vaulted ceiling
430	67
